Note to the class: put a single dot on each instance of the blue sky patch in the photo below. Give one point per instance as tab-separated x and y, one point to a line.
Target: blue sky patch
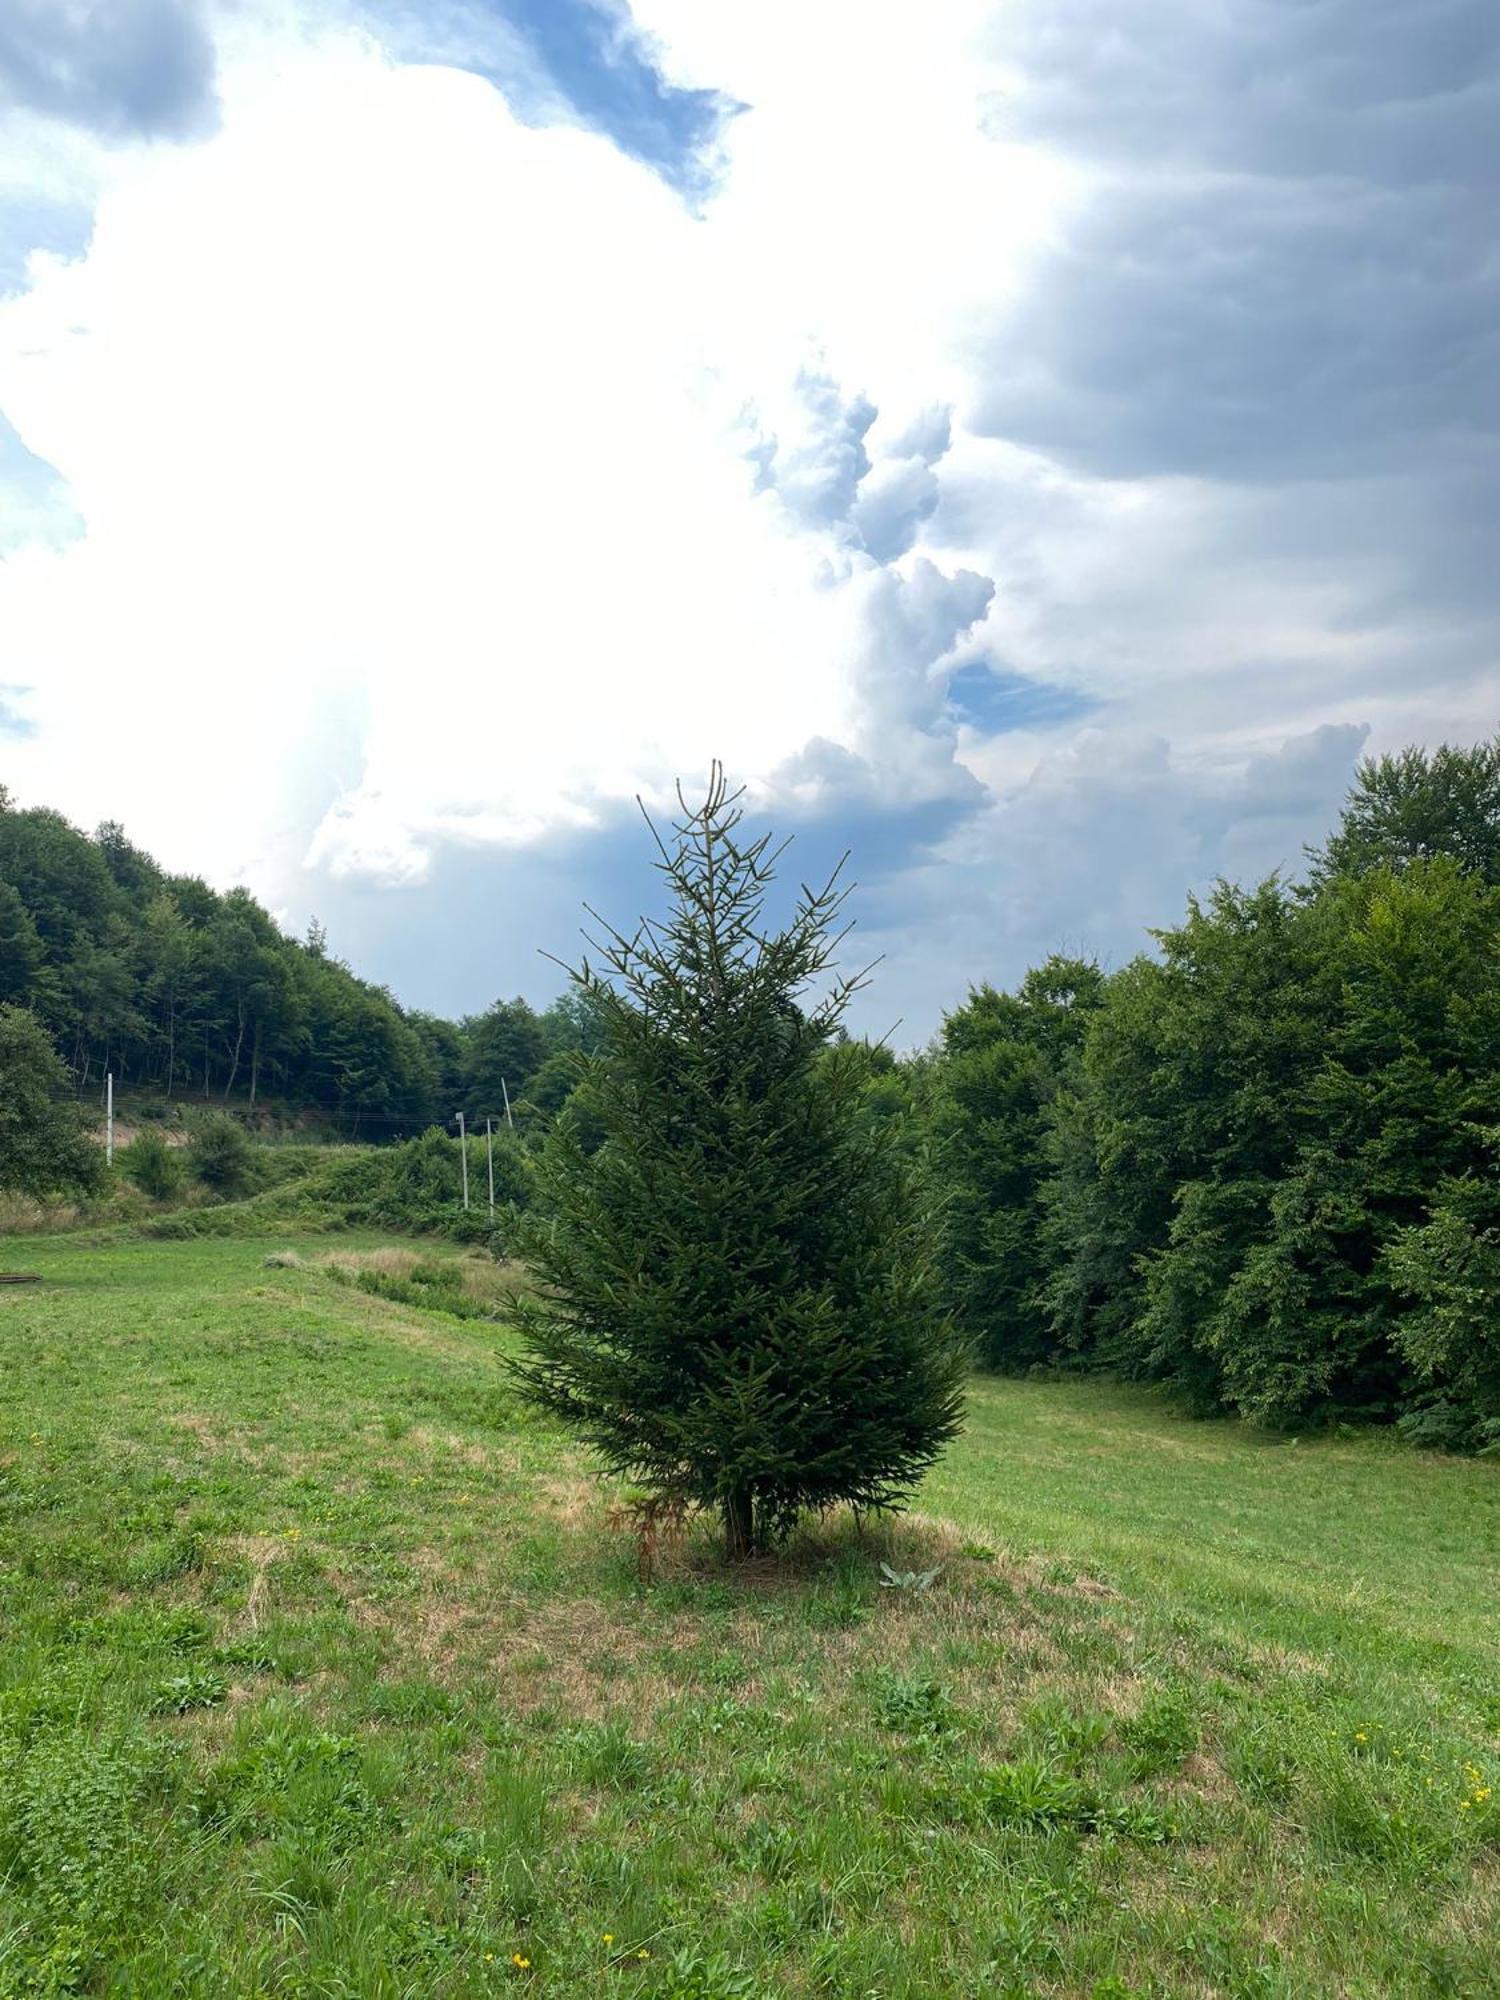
602	63
994	700
34	501
589	56
12	721
61	227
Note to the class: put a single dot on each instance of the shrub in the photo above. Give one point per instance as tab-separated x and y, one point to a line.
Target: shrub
415	1187
221	1155
153	1165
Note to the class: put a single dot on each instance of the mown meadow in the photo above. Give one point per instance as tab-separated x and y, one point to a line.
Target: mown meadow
326	1668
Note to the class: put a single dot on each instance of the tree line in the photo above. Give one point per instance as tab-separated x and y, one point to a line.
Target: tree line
1258	1164
180	990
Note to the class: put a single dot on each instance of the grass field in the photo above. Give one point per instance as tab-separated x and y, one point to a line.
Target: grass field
324	1672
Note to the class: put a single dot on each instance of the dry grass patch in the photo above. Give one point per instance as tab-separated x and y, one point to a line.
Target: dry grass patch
642	1655
260	1552
390	1261
200	1427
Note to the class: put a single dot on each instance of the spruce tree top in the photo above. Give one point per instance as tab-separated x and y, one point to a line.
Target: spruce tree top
736	1304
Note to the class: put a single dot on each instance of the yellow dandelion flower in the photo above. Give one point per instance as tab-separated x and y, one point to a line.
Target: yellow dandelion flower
521	1964
609	1937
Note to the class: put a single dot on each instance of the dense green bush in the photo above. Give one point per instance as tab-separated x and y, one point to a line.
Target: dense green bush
1448	1270
221	1155
154	1166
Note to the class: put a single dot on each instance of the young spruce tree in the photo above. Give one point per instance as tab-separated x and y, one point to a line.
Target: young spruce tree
736	1302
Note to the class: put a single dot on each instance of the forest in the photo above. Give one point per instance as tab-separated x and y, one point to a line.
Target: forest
1256	1163
178	989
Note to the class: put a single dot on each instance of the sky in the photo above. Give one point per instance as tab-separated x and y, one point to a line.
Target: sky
1039	445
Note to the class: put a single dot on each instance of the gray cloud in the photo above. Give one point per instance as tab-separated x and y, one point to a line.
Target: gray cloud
825	477
1265	347
914	620
895	497
902	785
1287	271
1393	91
817	473
929	436
122	68
1260	329
911	619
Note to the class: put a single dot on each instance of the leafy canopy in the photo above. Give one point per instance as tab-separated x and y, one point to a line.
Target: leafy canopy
1260	1167
1417	804
44	1145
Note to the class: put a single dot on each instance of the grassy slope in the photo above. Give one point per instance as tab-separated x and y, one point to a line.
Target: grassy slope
322	1673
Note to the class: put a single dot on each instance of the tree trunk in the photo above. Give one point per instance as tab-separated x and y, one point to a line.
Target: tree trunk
234	1067
739	1524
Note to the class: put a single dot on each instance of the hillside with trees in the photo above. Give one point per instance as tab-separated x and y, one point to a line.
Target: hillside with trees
199	995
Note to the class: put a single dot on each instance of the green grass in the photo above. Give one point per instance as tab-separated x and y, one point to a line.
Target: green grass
324	1672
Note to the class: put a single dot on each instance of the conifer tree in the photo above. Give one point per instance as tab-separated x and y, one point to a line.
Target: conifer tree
736	1303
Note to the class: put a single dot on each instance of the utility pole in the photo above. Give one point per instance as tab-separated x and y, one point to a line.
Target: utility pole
489	1153
463	1154
506	1095
109	1119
